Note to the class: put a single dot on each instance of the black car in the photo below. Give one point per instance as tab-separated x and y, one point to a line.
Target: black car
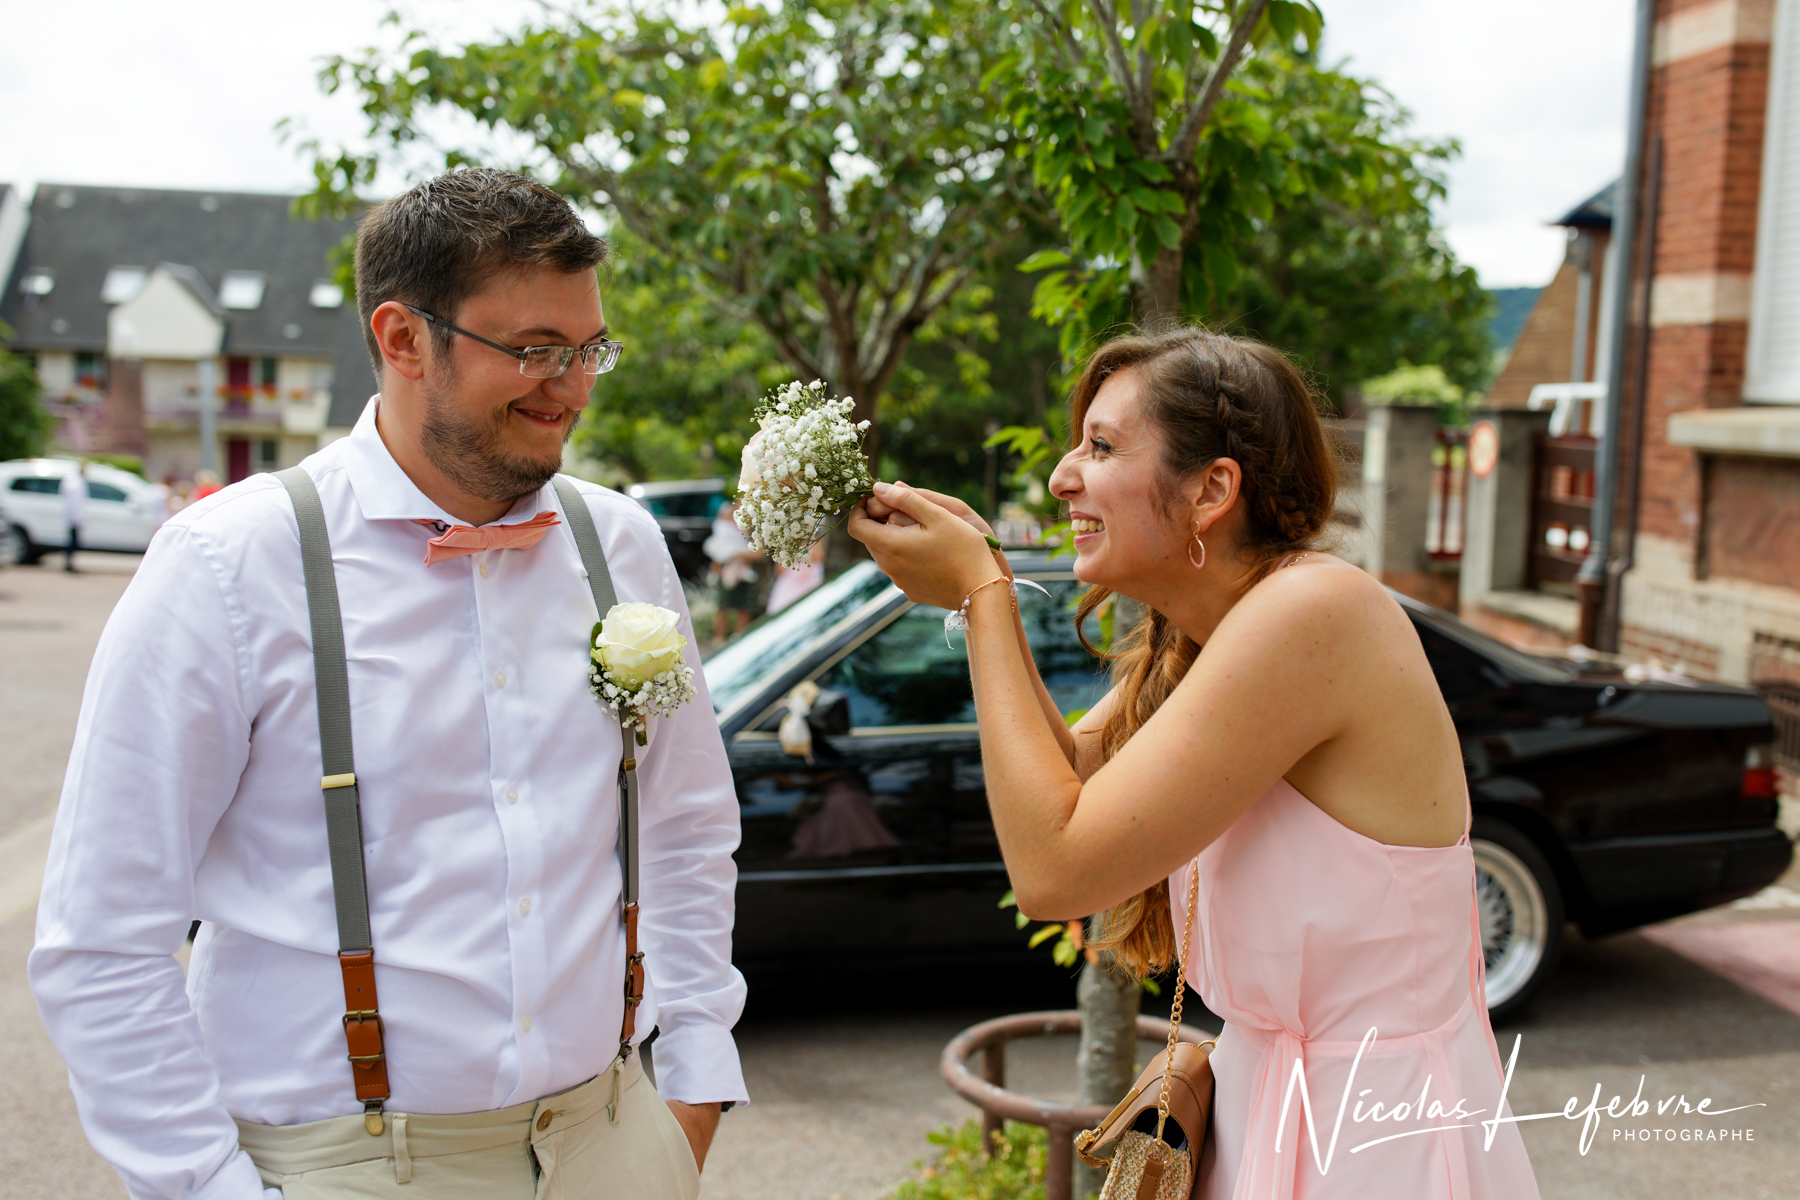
1598	800
684	510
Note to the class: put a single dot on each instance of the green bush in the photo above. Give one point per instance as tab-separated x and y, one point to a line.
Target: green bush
25	424
124	462
963	1172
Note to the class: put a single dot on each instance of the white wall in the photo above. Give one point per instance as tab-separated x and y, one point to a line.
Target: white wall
163	321
56	371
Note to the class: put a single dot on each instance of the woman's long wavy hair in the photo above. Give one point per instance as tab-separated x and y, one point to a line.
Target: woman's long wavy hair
1211	396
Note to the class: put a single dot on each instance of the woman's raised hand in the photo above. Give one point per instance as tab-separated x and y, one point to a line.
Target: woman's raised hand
882	511
933	552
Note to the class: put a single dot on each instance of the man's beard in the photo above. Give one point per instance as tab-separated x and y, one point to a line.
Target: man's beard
466	451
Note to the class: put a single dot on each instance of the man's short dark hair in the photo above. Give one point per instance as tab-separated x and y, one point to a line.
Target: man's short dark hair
438	243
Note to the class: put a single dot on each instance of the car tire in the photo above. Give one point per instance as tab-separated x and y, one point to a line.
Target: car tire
29	552
1520	907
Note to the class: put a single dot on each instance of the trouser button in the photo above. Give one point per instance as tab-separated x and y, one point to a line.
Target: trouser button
543	1121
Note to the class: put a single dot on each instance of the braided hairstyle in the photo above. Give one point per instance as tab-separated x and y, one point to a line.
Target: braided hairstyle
1211	396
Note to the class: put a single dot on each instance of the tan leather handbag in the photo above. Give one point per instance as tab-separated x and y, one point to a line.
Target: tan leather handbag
1150	1143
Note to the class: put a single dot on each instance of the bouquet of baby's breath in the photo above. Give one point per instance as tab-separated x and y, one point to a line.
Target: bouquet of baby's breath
804	466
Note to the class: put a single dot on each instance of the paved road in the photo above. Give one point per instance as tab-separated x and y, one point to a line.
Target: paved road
846	1088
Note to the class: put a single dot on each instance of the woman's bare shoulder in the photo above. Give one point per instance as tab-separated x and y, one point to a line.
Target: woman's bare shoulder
1324	593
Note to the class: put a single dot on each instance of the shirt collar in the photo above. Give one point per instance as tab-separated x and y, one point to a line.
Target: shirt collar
384	492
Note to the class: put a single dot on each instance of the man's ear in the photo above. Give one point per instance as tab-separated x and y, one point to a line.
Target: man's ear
401	337
1214	491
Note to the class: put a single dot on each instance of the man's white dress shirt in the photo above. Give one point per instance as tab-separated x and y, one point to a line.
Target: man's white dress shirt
490	826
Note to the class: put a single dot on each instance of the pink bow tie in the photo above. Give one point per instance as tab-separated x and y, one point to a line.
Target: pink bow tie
459	540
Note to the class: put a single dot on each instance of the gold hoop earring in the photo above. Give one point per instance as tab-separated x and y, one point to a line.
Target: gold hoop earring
1201	565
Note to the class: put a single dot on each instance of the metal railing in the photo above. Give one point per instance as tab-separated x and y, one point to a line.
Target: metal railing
1061	1121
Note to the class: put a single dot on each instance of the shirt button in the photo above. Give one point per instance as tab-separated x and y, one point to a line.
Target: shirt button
525	906
499	678
525	1021
484	570
512	795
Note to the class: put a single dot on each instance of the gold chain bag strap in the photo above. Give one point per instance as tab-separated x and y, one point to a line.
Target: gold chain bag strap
1158	1162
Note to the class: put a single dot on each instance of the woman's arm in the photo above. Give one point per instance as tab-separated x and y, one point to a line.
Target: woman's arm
1059	725
1277	680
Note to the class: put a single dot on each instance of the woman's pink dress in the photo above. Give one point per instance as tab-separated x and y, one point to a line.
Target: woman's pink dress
1307	935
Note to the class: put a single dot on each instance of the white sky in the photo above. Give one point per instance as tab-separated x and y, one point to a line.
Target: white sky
186	93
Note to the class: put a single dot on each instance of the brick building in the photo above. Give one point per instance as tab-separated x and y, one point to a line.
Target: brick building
1710	411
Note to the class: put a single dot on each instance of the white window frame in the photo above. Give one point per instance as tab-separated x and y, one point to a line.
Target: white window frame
1770	375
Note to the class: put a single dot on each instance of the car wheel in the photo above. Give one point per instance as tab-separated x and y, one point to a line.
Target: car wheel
29	552
1521	909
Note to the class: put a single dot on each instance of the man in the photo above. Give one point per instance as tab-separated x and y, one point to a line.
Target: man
487	775
74	492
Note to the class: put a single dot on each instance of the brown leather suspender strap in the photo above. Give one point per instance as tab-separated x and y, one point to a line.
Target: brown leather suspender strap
593	559
343	808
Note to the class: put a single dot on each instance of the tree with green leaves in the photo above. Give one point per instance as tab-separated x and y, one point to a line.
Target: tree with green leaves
1204	164
821	170
683	407
1147	156
25	424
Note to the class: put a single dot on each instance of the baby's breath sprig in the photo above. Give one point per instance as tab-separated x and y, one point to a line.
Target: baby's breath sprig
804	465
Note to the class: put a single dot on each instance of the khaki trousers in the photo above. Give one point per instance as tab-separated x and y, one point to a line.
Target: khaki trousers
563	1147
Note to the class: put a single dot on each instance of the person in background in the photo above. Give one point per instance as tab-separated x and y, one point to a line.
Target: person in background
734	568
791	583
165	491
74	490
205	484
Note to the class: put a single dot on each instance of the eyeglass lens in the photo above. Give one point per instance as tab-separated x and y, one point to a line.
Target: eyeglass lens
547	362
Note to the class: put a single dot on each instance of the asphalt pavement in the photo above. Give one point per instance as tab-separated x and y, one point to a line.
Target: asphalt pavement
843	1073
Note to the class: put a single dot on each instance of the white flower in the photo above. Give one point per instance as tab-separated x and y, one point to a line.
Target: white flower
749	476
636	668
637	642
803	467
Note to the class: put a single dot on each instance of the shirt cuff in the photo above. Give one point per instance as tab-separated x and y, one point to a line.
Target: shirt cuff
698	1064
237	1179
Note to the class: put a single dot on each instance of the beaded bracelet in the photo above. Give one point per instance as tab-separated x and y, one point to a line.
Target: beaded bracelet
959	618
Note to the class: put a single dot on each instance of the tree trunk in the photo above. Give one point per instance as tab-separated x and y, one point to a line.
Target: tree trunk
1156	290
1106	1059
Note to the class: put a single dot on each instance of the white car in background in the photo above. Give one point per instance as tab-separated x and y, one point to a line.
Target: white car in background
123	511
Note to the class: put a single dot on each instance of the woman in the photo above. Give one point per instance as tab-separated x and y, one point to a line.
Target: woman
1275	726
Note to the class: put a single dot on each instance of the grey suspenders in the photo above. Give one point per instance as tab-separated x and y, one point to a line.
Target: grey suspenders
343	814
593	560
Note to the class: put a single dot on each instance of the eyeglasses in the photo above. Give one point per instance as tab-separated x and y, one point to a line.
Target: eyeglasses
543	362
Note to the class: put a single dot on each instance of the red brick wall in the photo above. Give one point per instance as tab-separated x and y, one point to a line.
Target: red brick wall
1695	657
124	431
1753	520
1709	110
1691	366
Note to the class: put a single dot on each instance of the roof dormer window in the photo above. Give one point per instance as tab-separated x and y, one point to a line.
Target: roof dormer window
242	289
326	294
122	283
37	282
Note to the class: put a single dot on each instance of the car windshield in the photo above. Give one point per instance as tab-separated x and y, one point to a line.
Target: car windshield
739	667
687	504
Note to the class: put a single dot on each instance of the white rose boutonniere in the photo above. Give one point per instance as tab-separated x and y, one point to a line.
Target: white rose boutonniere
636	668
